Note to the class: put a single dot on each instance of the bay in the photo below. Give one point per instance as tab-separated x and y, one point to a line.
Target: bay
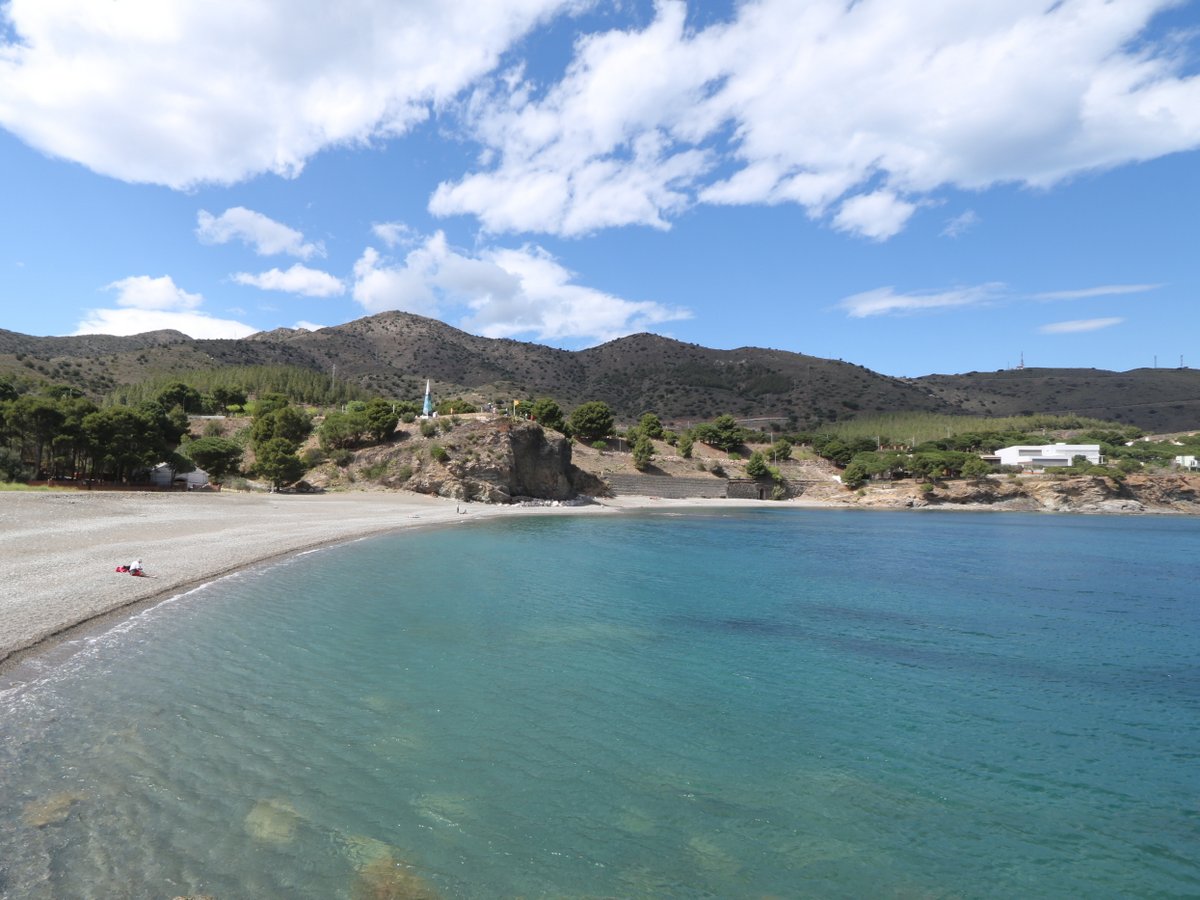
776	702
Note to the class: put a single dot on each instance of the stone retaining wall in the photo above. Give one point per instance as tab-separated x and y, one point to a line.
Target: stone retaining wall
665	486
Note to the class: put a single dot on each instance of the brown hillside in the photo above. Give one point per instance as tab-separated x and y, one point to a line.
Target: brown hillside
394	353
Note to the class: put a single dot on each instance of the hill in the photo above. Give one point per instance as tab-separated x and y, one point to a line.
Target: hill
393	353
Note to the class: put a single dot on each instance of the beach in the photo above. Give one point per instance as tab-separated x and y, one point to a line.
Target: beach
59	550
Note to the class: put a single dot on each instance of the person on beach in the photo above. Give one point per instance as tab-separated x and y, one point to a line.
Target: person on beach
135	567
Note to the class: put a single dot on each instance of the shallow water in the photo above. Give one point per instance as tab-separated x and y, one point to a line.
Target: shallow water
763	703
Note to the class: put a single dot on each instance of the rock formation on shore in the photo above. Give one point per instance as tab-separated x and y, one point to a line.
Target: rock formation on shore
491	460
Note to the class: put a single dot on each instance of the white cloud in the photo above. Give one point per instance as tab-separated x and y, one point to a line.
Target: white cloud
961	224
196	91
296	280
264	234
1107	290
501	293
1078	325
885	301
154	304
145	292
395	234
138	321
308	326
876	104
879	216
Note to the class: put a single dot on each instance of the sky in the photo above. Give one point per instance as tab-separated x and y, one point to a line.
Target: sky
916	186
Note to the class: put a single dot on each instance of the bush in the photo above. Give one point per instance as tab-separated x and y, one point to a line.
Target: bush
341	458
404	473
439	453
779	492
643	452
600	445
685	445
375	471
428	428
756	466
408	418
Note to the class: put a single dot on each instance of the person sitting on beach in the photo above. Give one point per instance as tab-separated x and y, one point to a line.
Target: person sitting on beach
135	567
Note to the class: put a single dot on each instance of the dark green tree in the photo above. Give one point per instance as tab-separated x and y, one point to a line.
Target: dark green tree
685	445
547	413
381	418
276	461
265	404
976	468
643	452
756	465
11	466
122	441
343	430
591	421
179	394
225	397
651	425
287	422
723	432
215	455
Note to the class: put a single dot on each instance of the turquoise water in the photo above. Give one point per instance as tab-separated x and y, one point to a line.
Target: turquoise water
778	703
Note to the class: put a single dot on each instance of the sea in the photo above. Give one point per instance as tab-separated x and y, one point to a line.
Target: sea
726	703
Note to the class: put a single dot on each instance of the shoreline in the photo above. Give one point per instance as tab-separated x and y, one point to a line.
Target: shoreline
59	550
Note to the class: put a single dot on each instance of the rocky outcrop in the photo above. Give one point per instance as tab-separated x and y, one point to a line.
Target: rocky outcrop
499	461
1049	493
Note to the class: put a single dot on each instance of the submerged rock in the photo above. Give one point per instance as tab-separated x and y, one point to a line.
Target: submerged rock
272	821
381	875
50	810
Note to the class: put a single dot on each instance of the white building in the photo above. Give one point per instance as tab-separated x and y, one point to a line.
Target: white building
1191	463
1032	457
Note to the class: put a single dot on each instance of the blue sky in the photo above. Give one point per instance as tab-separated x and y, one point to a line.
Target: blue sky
913	185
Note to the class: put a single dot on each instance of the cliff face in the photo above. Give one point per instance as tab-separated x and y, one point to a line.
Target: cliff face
495	462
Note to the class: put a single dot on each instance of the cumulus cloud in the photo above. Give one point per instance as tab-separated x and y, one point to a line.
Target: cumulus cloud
146	304
856	110
1107	290
500	293
145	292
886	301
296	280
1077	325
198	91
264	234
878	216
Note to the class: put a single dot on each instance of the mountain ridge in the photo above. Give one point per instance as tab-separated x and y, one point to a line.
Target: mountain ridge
393	353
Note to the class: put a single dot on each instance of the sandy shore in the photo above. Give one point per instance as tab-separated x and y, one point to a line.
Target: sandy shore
59	550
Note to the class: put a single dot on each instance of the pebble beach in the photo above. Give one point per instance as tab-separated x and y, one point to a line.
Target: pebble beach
59	550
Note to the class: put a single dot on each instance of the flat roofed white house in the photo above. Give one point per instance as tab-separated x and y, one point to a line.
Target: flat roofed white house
1191	463
1028	456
